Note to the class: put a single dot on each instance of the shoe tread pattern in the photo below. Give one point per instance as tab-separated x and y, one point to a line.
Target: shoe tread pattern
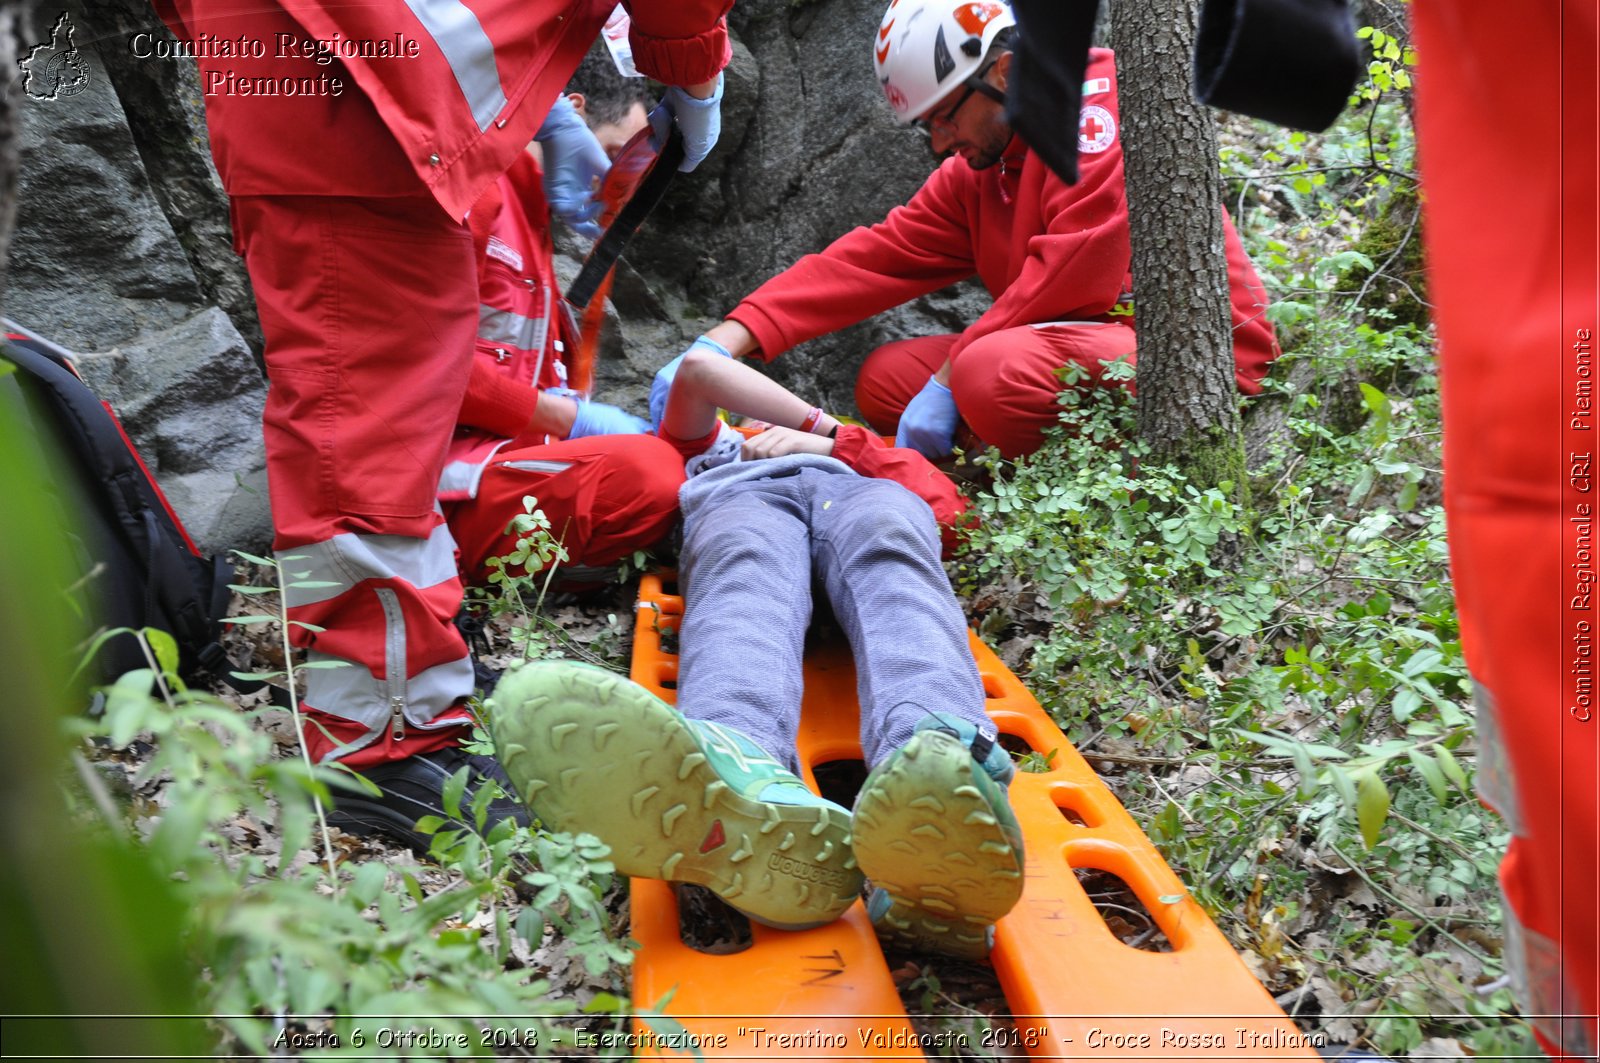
595	753
932	841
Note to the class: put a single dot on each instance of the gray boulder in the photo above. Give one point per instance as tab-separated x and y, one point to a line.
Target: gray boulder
97	266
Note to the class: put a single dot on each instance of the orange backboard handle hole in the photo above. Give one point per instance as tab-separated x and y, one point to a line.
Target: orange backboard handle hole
840	780
1124	914
1072	817
708	924
1075	806
992	688
1016	745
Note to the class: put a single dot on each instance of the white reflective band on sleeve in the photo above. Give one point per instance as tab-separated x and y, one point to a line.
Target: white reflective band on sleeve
355	694
1495	784
468	50
347	559
1538	982
502	326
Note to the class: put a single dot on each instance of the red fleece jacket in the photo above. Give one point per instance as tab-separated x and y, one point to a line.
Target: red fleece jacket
1045	250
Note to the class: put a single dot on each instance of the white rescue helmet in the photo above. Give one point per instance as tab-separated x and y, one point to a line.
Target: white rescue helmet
927	48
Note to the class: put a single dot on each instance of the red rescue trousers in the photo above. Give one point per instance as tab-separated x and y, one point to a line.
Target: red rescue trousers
605	497
1005	384
369	307
1507	142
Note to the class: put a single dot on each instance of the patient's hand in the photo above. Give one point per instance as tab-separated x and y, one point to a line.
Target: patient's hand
776	442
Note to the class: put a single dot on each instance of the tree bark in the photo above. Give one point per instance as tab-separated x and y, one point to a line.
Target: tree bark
1188	402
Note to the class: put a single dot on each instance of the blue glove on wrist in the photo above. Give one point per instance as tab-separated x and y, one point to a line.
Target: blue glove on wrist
929	424
574	164
700	122
598	419
661	386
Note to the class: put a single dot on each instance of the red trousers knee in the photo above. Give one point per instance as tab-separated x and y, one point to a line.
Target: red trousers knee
369	308
605	496
1005	384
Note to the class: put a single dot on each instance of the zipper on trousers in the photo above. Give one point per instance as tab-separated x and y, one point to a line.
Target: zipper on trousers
394	659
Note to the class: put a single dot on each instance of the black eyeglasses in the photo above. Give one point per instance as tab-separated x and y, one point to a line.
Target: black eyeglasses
947	120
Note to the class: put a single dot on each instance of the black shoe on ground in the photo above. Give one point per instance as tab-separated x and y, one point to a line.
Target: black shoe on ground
414	788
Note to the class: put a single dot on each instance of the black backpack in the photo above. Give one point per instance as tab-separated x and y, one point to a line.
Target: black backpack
142	568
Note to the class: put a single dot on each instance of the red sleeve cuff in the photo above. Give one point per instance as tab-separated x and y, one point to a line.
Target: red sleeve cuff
496	403
682	60
852	442
691	448
769	339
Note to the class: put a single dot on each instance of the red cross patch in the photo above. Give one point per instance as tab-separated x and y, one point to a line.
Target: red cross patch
1096	129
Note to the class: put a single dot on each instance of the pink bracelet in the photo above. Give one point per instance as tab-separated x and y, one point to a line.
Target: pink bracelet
812	418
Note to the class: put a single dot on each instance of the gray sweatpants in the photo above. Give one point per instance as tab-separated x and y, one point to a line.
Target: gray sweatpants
755	536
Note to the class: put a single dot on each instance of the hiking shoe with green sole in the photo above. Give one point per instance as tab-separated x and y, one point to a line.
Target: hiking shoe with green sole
936	836
675	799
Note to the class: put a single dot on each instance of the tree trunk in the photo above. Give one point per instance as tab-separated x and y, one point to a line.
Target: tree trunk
1188	403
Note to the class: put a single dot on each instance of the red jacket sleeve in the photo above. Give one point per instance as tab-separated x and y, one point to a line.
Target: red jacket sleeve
679	42
869	455
496	403
919	248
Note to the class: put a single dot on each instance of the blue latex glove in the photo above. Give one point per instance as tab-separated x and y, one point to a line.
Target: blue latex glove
598	419
661	386
700	122
929	424
574	165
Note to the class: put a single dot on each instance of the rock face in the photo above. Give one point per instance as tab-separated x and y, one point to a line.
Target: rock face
97	267
124	248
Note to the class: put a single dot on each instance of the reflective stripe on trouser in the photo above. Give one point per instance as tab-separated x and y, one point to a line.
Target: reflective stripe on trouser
605	496
1539	976
750	554
387	603
1005	384
369	309
1550	1002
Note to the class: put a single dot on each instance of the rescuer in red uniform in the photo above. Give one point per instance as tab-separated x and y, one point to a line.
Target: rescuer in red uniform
349	210
1055	257
607	485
